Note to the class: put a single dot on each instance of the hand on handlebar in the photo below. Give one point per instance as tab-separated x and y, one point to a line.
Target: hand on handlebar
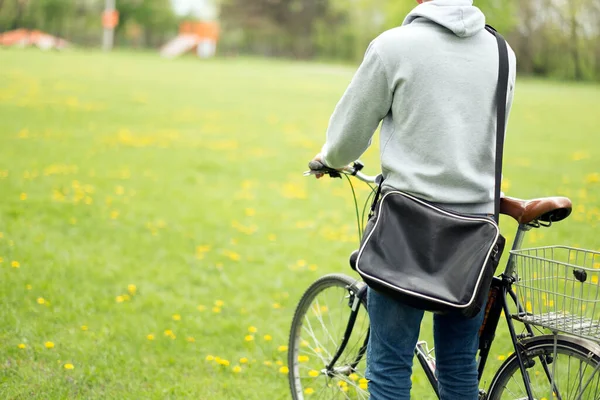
316	164
319	169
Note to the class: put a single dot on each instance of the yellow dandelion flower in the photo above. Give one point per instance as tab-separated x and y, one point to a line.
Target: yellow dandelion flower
272	237
1	259
119	190
593	178
250	212
268	338
1	235
594	279
216	310
209	358
176	317
278	362
363	385
318	350
224	363
301	263
313	373
353	377
114	214
88	200
15	264
284	370
342	383
168	332
304	343
219	303
303	359
150	336
28	287
41	300
126	297
282	348
131	288
501	357
119	299
23	196
69	366
190	339
276	306
22	346
252	329
232	255
237	369
201	308
49	345
268	363
580	155
309	390
243	360
249	338
84	327
324	309
312	267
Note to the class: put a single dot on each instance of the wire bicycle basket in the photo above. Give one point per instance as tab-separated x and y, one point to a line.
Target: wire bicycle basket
558	288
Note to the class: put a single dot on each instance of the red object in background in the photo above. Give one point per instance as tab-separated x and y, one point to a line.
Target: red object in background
17	37
204	30
110	19
24	37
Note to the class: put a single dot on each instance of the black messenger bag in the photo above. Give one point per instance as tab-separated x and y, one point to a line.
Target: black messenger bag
431	258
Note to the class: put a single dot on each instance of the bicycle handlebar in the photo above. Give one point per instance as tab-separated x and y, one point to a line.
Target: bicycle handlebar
317	167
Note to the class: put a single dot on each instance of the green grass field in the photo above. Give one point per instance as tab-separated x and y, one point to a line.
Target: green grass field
154	216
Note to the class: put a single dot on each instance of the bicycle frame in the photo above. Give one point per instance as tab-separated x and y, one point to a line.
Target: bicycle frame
498	303
500	292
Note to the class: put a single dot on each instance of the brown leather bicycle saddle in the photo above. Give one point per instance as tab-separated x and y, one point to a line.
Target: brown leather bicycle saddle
547	209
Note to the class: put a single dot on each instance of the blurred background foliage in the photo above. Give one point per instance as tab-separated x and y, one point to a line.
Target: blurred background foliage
556	38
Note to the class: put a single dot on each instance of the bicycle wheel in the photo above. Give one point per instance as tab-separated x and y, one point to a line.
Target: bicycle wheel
575	366
319	324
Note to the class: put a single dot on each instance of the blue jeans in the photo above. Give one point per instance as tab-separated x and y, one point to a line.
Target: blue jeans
394	333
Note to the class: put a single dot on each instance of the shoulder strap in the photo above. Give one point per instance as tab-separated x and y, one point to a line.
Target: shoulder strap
501	95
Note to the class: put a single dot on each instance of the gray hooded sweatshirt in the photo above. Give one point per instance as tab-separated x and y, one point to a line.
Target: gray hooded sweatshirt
433	82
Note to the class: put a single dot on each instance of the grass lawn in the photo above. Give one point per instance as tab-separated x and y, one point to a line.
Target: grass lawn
154	216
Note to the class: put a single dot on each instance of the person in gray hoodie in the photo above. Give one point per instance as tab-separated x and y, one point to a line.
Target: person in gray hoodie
432	82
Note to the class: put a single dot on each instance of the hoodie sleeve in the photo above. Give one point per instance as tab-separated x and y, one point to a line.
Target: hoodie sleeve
365	103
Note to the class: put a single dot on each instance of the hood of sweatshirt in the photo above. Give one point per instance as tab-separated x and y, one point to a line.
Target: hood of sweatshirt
459	16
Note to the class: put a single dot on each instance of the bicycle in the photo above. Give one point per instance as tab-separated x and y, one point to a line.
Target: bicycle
552	291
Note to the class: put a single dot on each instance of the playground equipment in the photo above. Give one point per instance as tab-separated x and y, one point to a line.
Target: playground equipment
24	38
199	36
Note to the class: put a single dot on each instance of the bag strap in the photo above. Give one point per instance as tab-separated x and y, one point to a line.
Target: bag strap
501	95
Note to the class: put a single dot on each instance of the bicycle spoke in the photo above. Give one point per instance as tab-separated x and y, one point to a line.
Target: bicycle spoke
314	338
573	375
322	320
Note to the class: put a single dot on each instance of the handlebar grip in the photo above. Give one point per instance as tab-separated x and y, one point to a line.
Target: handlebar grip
316	165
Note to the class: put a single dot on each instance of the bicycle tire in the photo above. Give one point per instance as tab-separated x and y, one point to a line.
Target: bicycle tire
508	378
348	382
